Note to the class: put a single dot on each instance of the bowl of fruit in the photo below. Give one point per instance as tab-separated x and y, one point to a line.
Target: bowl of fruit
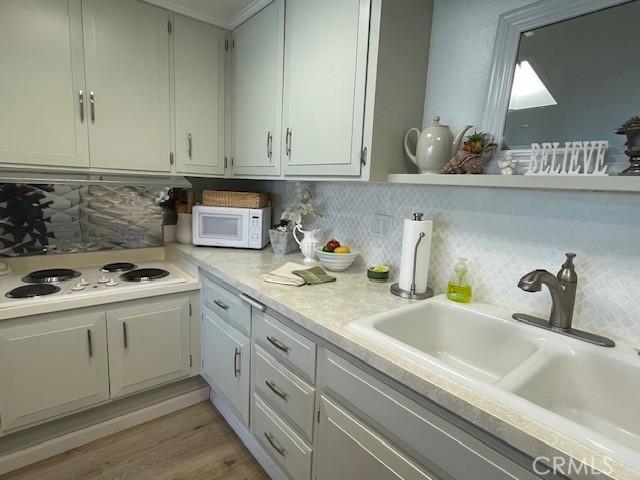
336	257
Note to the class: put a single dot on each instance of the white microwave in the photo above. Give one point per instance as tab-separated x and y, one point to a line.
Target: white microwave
231	227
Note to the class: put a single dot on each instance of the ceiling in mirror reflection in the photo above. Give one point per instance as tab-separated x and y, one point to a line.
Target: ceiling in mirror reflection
576	80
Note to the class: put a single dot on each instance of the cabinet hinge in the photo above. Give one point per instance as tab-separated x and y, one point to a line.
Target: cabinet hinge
190	360
171	158
363	156
170	27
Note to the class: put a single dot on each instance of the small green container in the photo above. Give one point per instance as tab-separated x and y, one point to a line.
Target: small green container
378	273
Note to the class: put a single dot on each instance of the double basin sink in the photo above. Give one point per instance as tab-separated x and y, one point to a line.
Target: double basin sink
587	392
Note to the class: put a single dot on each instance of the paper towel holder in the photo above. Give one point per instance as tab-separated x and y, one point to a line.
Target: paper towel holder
411	294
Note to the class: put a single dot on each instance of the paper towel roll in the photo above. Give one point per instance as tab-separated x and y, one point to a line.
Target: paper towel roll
410	235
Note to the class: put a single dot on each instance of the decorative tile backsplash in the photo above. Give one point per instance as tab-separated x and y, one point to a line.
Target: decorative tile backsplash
75	218
505	234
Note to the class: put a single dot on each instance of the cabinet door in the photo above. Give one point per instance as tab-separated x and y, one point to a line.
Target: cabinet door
326	45
149	344
225	355
257	57
127	70
348	448
50	366
41	82
199	96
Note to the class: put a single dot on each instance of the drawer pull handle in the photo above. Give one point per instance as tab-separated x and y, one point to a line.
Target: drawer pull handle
236	363
277	390
81	99
125	335
278	344
92	103
254	303
90	342
281	450
222	305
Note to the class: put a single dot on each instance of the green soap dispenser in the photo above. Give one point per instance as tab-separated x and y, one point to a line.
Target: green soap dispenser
459	289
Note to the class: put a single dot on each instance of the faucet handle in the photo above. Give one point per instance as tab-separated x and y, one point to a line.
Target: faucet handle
568	273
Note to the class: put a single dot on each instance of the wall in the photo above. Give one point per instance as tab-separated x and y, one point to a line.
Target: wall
75	218
505	234
462	38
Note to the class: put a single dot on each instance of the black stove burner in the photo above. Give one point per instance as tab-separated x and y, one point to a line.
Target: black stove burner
51	275
144	275
118	267
32	291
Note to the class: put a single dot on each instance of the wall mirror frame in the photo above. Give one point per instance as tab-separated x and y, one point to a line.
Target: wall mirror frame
511	25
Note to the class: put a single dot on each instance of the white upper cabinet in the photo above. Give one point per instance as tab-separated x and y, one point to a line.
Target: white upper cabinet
51	365
257	58
127	71
325	71
199	96
42	122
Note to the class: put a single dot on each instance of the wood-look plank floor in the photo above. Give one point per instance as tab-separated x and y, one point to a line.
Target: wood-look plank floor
192	444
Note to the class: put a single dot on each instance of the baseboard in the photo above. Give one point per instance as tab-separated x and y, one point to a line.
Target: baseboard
69	441
259	453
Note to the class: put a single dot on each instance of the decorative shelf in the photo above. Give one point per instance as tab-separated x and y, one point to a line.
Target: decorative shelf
587	183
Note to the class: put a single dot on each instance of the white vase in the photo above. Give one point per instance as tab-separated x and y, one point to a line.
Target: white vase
184	232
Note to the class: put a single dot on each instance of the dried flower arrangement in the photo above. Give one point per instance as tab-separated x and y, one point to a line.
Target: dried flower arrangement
477	150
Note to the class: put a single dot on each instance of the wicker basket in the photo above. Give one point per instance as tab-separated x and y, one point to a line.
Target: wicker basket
218	198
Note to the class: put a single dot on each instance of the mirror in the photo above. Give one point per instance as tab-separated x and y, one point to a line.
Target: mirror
577	79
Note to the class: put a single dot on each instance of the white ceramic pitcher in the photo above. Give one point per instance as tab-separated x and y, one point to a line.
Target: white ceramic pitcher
308	244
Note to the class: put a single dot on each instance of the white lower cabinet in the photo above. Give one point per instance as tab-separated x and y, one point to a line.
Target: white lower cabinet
319	416
225	361
347	449
149	344
288	450
51	365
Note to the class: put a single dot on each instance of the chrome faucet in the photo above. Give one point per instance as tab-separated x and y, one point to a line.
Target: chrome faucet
563	297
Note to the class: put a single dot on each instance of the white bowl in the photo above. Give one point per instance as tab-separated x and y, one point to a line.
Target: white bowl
336	262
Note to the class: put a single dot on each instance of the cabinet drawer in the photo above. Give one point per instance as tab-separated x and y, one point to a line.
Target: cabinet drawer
288	346
227	305
347	448
291	395
438	442
287	449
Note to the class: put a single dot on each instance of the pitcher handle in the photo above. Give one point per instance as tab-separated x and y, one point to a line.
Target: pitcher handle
412	156
295	229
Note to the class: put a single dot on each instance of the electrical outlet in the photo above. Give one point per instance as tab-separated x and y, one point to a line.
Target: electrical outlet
382	224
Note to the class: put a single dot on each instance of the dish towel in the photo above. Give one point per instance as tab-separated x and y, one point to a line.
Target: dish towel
314	276
284	275
297	275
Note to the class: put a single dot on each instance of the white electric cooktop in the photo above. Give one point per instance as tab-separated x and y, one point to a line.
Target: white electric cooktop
53	284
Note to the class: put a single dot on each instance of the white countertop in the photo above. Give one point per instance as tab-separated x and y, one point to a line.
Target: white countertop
326	310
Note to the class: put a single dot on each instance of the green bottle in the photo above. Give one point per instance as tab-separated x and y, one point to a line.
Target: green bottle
459	289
